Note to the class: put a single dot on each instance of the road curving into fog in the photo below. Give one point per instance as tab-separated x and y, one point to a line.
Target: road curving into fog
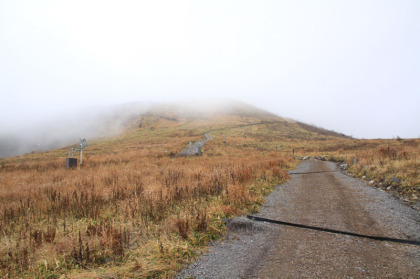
318	195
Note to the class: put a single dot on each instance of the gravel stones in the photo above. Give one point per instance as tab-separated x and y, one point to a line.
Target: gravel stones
245	224
395	180
194	149
318	196
344	166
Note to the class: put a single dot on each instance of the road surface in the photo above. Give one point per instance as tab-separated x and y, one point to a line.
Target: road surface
194	149
318	195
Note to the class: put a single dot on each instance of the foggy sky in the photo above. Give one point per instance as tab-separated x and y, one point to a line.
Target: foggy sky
348	66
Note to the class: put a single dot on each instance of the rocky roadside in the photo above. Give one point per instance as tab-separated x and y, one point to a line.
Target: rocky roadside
391	186
320	195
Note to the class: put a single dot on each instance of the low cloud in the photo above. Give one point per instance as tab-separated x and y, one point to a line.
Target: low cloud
64	130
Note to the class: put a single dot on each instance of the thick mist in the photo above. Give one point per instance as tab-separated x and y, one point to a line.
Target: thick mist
348	66
65	129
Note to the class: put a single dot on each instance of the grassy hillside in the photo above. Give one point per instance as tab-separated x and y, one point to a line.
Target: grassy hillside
136	209
393	165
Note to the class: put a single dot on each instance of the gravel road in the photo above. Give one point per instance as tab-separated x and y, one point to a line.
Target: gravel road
194	149
318	195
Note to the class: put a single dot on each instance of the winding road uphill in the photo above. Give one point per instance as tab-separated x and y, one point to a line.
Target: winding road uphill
319	196
194	149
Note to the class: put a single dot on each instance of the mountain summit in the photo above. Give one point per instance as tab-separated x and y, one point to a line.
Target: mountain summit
112	121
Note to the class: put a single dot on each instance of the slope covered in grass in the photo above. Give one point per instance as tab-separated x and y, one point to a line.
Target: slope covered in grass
136	209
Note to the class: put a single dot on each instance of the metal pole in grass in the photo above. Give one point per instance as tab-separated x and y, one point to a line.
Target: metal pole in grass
72	162
83	144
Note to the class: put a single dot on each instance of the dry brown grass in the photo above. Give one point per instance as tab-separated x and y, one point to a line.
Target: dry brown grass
133	210
381	160
137	210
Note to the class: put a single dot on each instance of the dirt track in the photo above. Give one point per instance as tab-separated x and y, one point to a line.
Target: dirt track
194	149
319	195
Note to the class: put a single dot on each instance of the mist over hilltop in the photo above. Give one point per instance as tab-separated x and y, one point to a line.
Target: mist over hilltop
60	130
350	66
208	107
64	129
101	122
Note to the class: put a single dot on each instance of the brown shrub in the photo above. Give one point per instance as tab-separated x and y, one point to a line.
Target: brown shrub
387	152
181	226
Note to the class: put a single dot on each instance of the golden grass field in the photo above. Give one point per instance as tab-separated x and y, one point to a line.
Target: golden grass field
137	210
383	160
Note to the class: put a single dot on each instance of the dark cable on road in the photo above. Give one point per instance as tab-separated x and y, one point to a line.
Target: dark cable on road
378	238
